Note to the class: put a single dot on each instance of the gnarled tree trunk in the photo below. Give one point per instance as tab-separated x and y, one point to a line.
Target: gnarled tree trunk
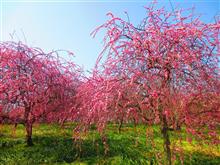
120	124
28	127
165	133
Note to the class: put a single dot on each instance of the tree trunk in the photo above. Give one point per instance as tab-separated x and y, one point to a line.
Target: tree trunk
29	133
120	125
178	127
1	132
28	125
165	132
14	130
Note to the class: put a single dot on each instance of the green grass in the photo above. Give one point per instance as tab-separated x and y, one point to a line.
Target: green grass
53	145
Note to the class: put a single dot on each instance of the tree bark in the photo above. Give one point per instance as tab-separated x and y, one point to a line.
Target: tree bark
28	126
14	130
120	125
29	133
165	132
178	127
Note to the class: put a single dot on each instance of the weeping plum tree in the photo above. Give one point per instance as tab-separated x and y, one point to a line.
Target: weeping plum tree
99	100
93	102
34	85
169	55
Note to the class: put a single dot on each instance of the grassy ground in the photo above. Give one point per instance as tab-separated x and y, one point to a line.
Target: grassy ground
54	145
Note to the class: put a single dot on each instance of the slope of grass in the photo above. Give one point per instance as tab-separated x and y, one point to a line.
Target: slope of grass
54	145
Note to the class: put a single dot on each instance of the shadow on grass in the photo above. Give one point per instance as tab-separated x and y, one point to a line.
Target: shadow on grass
59	150
198	158
50	150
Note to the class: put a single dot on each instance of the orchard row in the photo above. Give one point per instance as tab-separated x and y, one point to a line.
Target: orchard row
164	71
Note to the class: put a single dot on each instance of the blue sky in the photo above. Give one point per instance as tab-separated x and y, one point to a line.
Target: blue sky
67	25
